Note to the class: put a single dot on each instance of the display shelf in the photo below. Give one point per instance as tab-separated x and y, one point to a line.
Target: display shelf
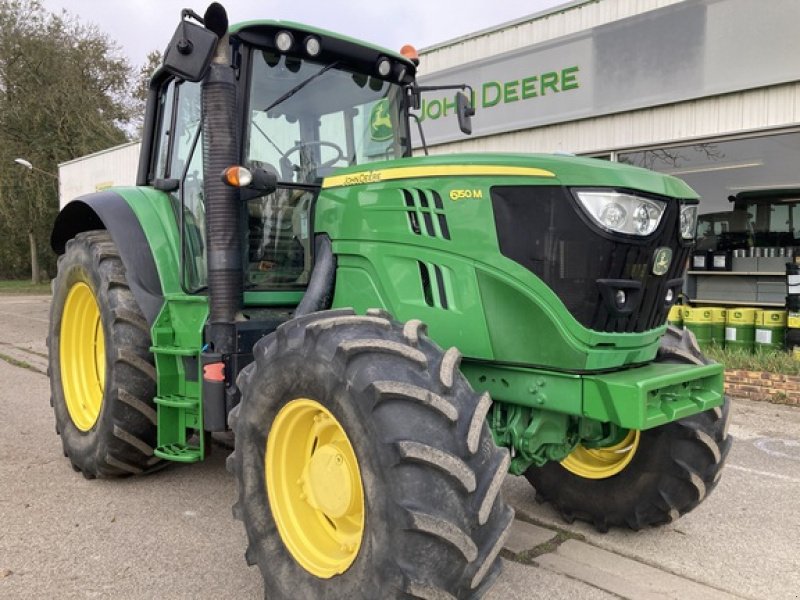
740	273
736	302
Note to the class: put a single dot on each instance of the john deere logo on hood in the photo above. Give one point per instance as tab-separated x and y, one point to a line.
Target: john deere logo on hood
661	260
380	125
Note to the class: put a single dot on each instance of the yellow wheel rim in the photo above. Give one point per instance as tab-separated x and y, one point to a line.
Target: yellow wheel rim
600	463
82	356
314	488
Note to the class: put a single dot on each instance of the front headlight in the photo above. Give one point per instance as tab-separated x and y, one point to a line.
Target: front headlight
622	213
688	221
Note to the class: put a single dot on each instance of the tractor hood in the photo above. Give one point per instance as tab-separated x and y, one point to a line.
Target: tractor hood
559	169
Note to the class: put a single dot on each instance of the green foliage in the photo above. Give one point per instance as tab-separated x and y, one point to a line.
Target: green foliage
737	358
16	286
65	91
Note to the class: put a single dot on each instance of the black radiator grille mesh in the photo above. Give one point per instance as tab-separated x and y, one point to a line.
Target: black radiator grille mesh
543	229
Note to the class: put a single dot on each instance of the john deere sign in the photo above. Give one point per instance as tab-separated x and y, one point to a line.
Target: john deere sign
493	93
683	51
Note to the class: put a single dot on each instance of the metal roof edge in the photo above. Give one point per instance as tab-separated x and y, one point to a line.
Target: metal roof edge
98	153
568	5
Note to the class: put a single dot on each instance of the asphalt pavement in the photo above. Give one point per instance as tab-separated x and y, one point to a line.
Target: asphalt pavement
171	534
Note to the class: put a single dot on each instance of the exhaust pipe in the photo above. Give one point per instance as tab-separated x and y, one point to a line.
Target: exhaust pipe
223	208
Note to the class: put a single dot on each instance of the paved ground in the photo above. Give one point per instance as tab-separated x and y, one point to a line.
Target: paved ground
170	535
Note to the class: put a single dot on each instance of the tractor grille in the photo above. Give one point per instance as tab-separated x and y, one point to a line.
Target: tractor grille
543	229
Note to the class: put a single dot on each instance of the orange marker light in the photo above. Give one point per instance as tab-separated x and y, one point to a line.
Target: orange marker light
410	53
237	176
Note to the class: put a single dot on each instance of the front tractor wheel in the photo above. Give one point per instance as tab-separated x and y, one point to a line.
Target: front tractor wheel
102	378
364	465
650	477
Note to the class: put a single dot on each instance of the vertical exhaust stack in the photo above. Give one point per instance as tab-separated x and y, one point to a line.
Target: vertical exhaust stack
221	150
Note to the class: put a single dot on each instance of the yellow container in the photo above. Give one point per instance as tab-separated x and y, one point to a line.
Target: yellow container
770	330
675	316
740	328
793	320
718	316
698	321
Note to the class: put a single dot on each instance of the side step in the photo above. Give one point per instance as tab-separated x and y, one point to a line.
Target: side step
177	343
176	416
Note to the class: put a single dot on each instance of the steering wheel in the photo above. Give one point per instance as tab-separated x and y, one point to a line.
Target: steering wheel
287	164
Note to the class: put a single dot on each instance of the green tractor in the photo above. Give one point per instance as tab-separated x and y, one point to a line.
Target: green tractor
287	270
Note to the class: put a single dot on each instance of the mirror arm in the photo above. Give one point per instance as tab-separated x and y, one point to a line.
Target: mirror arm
421	133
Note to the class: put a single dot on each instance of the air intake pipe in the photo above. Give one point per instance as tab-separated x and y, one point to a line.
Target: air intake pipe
223	208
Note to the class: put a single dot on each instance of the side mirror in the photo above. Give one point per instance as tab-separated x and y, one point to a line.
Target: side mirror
264	182
465	112
189	52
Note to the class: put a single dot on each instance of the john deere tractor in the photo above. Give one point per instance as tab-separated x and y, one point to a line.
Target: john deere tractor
286	269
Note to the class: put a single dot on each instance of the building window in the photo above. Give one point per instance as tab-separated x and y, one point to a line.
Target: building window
720	170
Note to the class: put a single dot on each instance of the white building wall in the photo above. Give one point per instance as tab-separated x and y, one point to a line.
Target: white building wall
573	18
101	170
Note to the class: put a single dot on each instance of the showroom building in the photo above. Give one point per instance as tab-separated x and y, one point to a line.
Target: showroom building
708	90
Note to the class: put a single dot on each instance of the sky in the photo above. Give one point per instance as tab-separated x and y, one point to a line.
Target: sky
140	26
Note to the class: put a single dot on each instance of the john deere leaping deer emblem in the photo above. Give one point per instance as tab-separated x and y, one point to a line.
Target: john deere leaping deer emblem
380	125
661	260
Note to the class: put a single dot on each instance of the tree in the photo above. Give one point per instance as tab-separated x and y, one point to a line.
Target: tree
152	62
65	91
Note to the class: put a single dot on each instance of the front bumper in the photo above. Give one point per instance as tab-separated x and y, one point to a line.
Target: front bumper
636	398
653	395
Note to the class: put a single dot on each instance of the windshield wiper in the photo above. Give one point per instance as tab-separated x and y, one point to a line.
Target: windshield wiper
300	86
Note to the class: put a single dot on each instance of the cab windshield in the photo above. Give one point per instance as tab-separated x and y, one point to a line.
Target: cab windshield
308	119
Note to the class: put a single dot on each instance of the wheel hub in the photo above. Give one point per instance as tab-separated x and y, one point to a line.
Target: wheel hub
328	481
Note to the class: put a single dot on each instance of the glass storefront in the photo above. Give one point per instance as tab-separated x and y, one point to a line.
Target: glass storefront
719	170
750	188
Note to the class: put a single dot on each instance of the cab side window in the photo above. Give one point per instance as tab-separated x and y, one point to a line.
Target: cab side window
179	155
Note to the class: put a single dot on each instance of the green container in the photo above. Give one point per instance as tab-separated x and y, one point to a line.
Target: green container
675	316
740	328
698	321
718	316
770	330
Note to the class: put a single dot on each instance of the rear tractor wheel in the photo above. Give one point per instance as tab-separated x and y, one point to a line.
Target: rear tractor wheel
650	477
364	465
102	378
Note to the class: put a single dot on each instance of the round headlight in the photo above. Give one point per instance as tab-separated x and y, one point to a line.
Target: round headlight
284	41
620	298
688	221
613	216
644	219
313	46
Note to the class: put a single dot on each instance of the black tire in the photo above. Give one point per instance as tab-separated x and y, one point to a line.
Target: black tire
431	473
122	439
674	468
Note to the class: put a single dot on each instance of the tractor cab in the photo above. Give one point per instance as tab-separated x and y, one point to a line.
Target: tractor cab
311	102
